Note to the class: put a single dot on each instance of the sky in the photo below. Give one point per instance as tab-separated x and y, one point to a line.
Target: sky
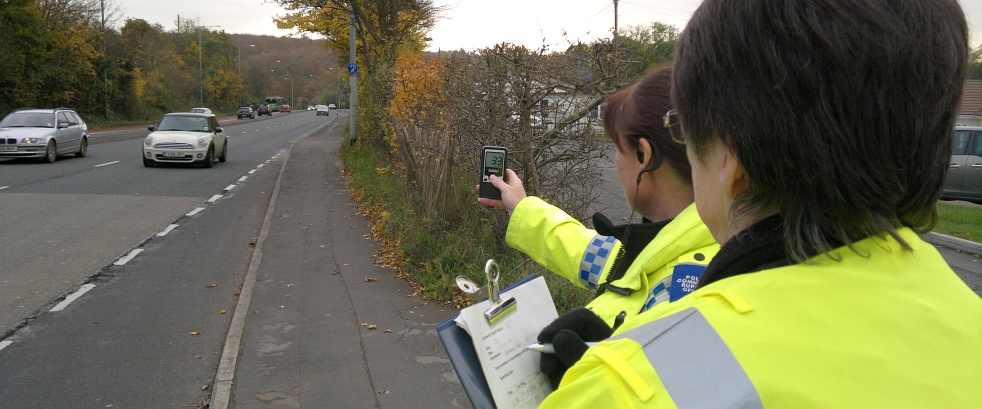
468	24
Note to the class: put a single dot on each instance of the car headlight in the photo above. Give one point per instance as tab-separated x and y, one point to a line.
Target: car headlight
33	140
148	141
202	142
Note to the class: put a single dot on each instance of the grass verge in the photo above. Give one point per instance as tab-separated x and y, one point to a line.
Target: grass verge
431	253
960	219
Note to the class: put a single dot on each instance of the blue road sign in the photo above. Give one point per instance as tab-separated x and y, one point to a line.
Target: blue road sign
352	68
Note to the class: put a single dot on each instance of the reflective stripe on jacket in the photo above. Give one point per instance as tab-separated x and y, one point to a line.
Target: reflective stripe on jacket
890	328
566	247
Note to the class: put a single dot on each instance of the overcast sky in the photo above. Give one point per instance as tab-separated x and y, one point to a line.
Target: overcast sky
469	24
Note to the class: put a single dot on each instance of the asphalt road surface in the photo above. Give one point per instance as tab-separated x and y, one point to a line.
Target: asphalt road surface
78	225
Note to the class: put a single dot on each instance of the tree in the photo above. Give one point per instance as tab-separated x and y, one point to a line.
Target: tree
975	64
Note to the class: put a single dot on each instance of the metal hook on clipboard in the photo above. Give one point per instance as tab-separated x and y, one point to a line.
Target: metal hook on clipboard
499	308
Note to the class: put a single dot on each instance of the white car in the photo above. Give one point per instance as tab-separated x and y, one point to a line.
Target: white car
185	137
322	110
202	110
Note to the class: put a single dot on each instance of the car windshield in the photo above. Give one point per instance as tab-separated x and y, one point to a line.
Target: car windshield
28	120
184	123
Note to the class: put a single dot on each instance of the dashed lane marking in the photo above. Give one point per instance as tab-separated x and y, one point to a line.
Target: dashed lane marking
166	230
107	164
195	211
126	259
68	300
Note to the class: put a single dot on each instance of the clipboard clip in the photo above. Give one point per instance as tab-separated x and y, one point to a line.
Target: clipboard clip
499	308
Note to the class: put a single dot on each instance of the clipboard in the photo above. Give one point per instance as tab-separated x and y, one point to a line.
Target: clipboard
463	357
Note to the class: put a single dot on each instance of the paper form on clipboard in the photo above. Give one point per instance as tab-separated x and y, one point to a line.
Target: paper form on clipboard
512	371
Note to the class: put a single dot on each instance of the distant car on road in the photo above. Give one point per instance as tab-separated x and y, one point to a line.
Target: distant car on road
246	112
331	107
185	137
264	110
964	178
43	134
310	107
322	110
201	110
285	108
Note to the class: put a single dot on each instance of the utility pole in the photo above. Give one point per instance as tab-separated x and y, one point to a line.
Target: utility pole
352	78
105	77
615	31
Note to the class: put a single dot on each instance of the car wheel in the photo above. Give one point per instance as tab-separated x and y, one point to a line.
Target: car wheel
83	148
147	163
209	157
50	153
224	156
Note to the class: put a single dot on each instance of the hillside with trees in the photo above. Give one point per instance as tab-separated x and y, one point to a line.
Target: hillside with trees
58	53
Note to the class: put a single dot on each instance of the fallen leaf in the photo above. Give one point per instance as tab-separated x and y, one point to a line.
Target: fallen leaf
194	333
382	392
198	357
364	324
388	331
289	285
373	326
282	307
370	279
205	387
211	285
345	264
222	312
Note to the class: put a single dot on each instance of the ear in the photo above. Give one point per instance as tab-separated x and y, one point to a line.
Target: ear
732	177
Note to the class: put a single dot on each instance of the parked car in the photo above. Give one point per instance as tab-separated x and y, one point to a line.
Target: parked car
285	108
331	107
246	112
264	110
43	134
185	137
201	110
964	179
322	110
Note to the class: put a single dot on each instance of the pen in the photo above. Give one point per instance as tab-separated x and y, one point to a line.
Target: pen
548	349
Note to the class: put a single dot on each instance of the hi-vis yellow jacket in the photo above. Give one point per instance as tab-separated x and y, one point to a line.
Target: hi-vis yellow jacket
884	328
563	245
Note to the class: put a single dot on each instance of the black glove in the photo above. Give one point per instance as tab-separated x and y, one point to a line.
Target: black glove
569	334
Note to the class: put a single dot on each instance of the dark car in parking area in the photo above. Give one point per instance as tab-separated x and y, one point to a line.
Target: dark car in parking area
264	110
964	179
246	112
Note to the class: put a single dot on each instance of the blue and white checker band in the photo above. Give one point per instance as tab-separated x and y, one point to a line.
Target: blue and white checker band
659	294
594	259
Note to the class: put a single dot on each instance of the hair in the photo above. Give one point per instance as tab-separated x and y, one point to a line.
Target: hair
841	111
637	111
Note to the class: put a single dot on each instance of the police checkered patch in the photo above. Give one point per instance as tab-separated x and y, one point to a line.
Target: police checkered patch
594	259
659	294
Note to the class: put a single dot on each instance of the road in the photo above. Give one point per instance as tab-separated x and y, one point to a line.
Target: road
613	204
159	254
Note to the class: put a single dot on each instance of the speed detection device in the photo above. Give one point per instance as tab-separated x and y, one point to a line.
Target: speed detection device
494	161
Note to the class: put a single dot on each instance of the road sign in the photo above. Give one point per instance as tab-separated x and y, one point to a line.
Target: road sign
352	68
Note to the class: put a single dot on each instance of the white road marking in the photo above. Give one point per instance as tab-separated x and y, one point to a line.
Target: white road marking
68	300
242	179
214	198
229	187
166	230
252	171
259	165
195	211
3	344
107	164
126	259
3	187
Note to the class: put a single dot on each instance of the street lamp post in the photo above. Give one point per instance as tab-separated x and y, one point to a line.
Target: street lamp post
201	69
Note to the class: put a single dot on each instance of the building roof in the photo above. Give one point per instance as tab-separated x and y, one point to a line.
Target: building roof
971	98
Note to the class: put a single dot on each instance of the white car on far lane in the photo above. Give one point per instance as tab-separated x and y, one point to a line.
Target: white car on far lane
184	137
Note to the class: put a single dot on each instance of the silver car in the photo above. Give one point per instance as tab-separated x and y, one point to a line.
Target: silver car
43	134
964	180
185	137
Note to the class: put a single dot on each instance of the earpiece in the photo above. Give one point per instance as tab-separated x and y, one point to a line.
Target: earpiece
655	163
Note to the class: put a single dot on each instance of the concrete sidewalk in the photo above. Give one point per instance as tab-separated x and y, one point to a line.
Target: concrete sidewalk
326	327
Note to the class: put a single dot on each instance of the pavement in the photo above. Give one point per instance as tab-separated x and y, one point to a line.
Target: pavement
319	324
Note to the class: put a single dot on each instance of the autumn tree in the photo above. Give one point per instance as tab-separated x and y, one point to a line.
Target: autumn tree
384	29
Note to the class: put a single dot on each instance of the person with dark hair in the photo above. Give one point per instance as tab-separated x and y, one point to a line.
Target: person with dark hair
632	267
819	134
